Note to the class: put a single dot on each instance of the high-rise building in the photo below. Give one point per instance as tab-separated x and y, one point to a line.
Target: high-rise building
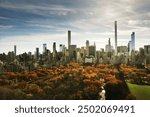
130	47
30	55
147	54
15	50
131	44
147	49
92	50
72	52
54	49
141	52
87	47
37	54
61	48
44	48
133	40
122	49
82	52
109	42
69	39
108	48
116	38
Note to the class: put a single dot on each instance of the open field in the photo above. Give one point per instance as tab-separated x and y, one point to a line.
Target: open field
142	92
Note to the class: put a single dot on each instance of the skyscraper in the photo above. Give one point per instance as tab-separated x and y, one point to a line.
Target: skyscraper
72	52
131	45
108	47
109	43
147	49
92	50
87	47
37	53
44	48
133	40
15	50
115	37
61	48
54	49
69	39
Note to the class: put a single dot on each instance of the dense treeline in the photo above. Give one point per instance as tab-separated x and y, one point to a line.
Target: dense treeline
136	75
72	81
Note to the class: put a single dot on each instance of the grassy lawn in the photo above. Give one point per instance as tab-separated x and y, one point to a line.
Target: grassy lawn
141	92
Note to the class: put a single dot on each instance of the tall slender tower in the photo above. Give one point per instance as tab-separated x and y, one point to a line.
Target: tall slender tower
37	54
15	50
109	43
116	38
87	47
54	49
133	40
69	39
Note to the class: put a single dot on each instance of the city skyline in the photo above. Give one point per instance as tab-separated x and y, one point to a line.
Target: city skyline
29	24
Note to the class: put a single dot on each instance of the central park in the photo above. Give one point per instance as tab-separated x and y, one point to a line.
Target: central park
77	82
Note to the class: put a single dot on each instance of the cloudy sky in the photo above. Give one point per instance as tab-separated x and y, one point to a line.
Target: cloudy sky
30	23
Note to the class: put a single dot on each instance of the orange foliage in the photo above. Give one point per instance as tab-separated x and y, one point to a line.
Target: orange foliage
72	81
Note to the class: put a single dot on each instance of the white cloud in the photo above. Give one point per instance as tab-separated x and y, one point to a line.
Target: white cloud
44	9
2	27
1	17
93	21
